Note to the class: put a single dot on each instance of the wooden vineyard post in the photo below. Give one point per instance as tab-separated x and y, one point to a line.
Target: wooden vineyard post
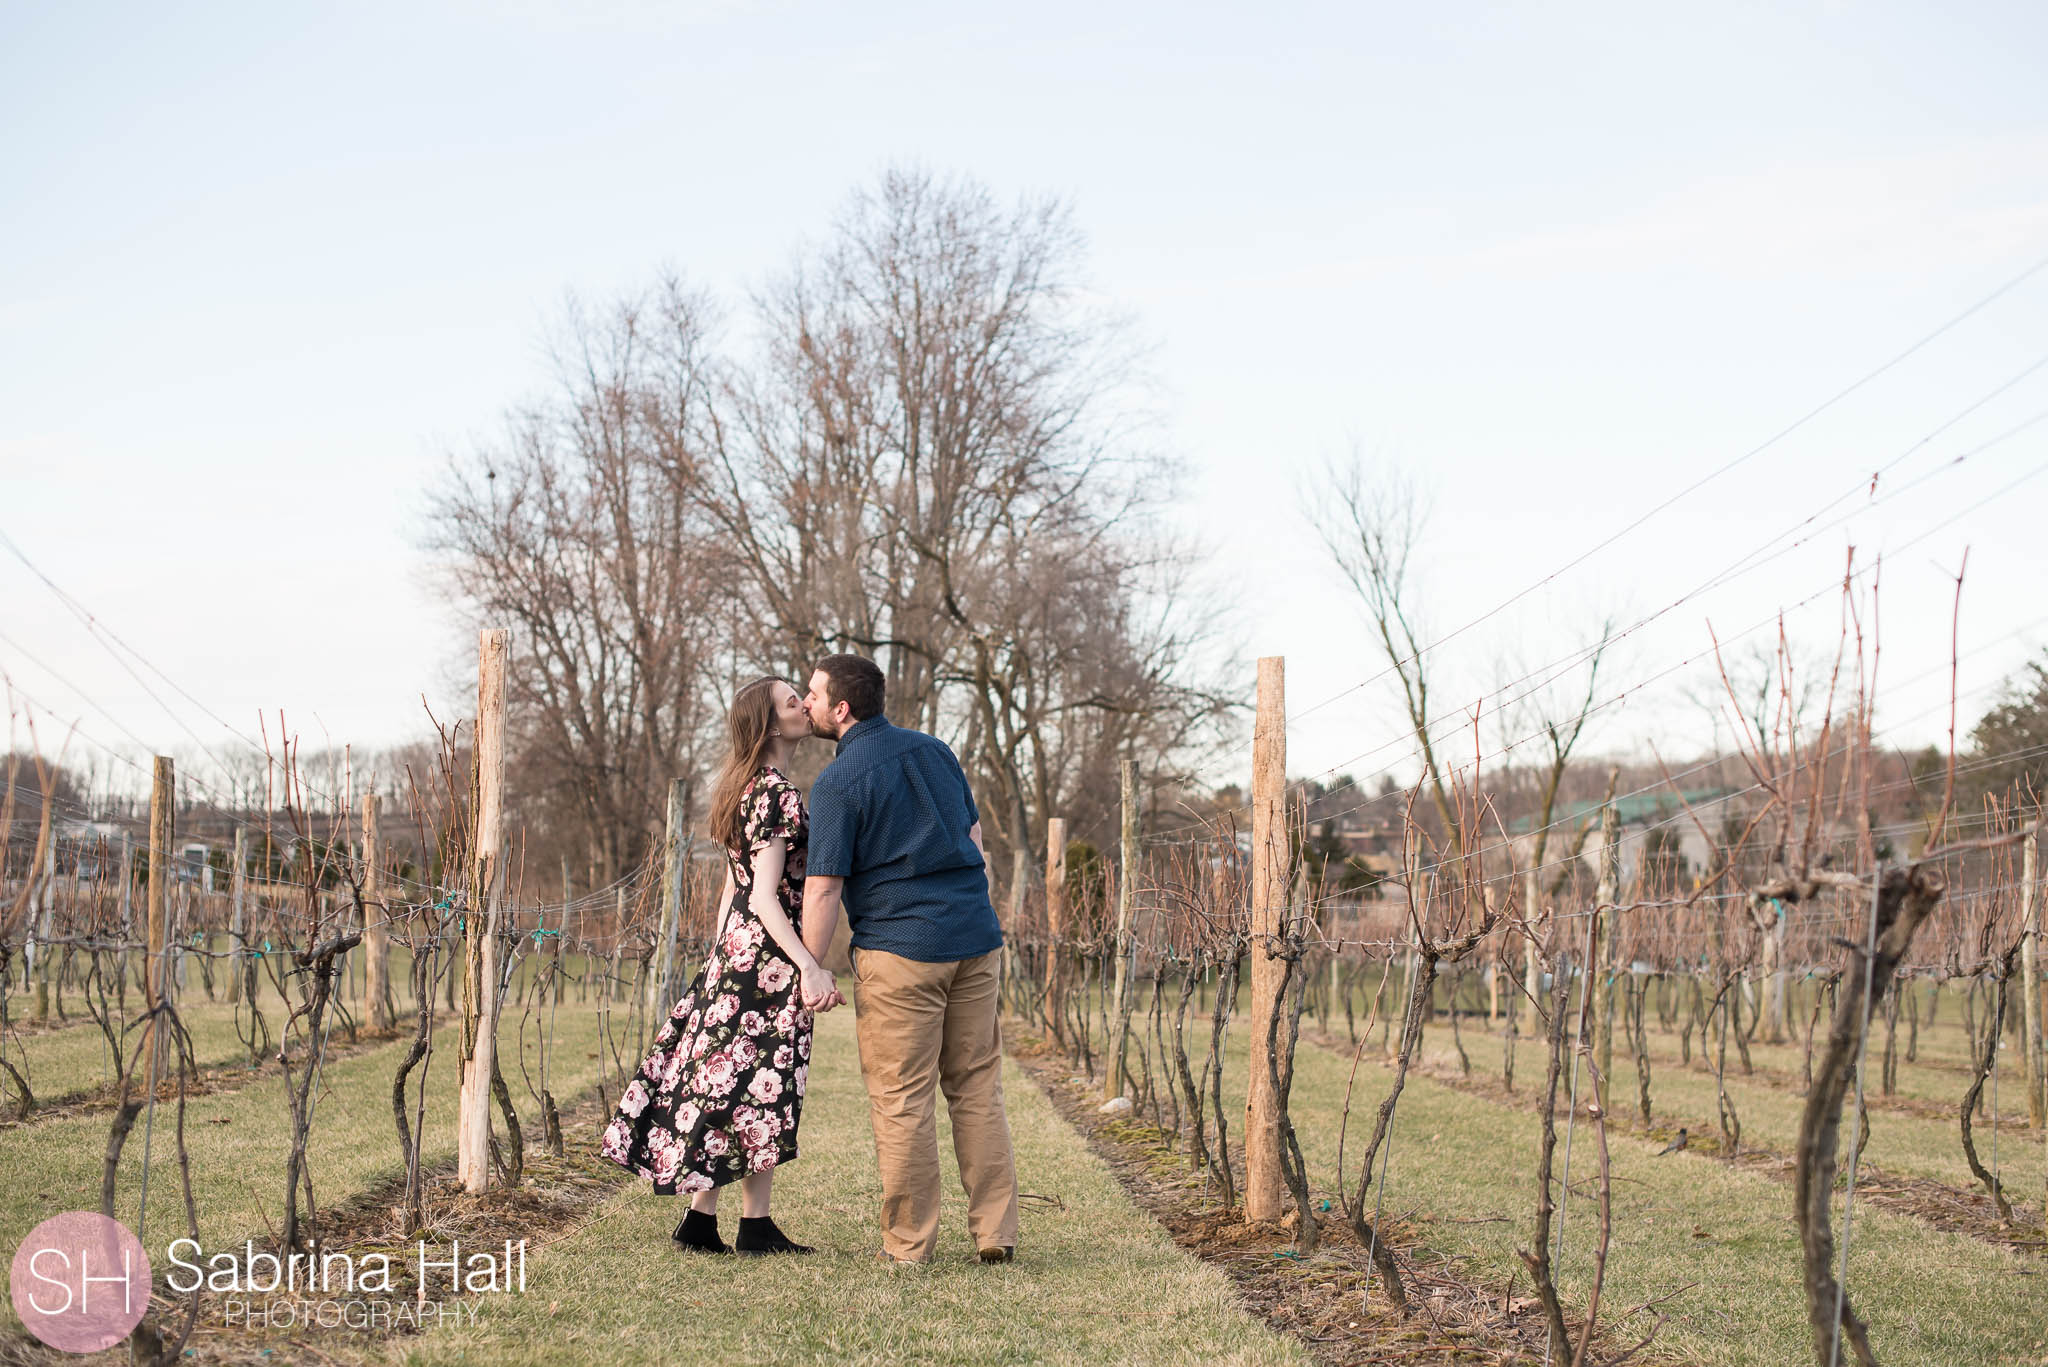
2030	980
1532	973
611	977
562	930
44	916
664	961
1126	948
127	917
376	928
1055	923
1600	965
480	961
238	891
157	909
1263	1184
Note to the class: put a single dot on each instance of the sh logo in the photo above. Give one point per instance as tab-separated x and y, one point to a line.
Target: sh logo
80	1281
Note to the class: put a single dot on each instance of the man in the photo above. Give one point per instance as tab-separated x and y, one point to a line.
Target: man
895	833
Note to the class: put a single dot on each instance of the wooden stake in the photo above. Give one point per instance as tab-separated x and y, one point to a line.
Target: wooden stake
1126	949
238	892
2030	980
45	913
1264	1187
562	930
480	964
1600	964
162	809
1055	923
376	925
127	916
664	961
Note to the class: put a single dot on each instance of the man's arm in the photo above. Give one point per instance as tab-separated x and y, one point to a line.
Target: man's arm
821	912
835	832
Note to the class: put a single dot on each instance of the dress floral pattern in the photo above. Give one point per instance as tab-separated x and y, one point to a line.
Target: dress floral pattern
721	1094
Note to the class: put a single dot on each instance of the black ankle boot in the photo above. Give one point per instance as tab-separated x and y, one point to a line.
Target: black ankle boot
699	1232
761	1236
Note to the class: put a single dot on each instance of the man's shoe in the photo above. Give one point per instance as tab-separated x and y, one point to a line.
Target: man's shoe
1006	1253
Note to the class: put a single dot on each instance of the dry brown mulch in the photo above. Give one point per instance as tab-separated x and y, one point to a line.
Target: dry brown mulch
1898	1103
1948	1209
212	1081
1328	1300
28	1027
555	1196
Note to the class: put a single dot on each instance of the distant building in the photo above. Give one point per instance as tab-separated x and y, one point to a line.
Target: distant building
1655	825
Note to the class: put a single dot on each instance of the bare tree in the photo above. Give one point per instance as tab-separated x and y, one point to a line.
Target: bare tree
1371	517
569	529
935	463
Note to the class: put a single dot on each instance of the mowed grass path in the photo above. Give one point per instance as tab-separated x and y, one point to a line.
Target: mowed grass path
1769	1104
239	1140
74	1060
69	1062
1097	1281
1465	1167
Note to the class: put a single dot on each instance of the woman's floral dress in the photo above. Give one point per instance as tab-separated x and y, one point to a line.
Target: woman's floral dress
721	1094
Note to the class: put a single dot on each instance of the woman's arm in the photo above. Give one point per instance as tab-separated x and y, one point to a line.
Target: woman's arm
762	901
724	899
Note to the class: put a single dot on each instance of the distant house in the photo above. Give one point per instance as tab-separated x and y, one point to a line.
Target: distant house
81	846
195	864
1654	825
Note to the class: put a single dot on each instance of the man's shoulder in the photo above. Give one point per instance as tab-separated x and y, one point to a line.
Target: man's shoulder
834	781
923	742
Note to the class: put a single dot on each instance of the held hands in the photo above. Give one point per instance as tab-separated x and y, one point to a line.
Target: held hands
819	988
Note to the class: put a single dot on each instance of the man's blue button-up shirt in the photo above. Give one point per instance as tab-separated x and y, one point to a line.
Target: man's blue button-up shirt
890	815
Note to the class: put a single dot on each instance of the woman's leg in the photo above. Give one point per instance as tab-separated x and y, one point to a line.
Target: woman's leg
705	1201
754	1192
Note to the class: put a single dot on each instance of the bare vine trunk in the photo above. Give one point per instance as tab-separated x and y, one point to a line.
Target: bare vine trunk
1904	899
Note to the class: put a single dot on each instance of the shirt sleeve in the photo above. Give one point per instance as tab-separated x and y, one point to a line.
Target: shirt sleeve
835	826
966	789
775	810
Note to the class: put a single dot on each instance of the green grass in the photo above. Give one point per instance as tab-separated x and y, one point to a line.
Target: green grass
67	1063
63	1065
1465	1167
1097	1281
1912	1145
238	1142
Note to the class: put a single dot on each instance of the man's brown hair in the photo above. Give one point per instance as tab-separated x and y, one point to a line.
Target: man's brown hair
854	680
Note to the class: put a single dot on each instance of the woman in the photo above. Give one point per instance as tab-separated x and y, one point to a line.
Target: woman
719	1098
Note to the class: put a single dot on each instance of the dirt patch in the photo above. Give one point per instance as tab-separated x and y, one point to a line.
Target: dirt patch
1949	1209
1920	1107
28	1027
554	1198
215	1080
1330	1300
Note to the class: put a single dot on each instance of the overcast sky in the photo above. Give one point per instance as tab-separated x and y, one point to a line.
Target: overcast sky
264	267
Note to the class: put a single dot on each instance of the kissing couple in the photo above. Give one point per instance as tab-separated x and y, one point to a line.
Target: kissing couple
892	835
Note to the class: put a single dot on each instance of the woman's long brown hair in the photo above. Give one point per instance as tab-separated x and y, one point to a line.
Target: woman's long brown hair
749	731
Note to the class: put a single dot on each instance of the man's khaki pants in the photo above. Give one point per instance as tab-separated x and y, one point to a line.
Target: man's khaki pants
923	1025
